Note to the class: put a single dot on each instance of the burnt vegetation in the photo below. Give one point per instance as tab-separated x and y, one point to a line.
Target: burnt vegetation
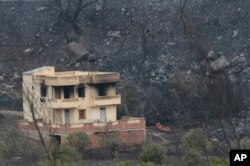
183	63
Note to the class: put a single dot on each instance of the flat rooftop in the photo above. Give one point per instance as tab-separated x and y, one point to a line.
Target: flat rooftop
50	71
51	77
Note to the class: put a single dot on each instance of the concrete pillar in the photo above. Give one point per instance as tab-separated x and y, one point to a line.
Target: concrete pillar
62	92
75	92
49	92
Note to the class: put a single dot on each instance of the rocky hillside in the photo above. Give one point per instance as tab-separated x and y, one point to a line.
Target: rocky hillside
146	41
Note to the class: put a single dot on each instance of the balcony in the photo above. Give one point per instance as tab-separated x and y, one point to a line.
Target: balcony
62	81
105	78
63	103
107	100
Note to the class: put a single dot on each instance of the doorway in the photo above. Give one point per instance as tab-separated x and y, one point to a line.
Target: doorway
56	139
103	115
67	116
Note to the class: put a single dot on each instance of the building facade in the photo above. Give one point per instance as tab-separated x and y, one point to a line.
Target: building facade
65	102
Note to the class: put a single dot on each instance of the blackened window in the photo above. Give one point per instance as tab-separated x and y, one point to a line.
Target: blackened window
57	92
81	91
101	90
68	92
43	90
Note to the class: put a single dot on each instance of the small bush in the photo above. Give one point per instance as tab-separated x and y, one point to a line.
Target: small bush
110	142
194	141
127	163
152	153
245	143
194	148
216	161
63	156
193	158
148	164
79	141
17	149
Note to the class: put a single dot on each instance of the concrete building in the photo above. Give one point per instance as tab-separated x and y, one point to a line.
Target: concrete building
65	102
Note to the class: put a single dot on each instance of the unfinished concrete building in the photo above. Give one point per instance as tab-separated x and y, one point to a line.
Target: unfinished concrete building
65	102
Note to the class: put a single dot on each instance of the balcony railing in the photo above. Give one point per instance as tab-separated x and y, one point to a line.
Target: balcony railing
76	102
63	103
107	100
105	78
83	79
61	80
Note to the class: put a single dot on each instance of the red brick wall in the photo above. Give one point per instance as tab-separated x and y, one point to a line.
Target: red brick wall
130	137
130	133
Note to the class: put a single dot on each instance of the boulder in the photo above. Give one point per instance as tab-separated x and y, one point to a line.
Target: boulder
78	49
235	33
28	50
219	64
239	62
4	69
62	59
189	72
92	58
99	5
82	58
37	35
211	55
72	62
16	76
40	50
114	34
247	71
77	64
242	59
40	9
71	36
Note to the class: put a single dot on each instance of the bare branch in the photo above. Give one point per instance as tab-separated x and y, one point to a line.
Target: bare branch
26	93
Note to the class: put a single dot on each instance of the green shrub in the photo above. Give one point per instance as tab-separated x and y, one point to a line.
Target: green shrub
110	141
194	148
79	141
193	158
63	155
152	153
194	141
127	163
17	149
148	164
245	143
216	161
